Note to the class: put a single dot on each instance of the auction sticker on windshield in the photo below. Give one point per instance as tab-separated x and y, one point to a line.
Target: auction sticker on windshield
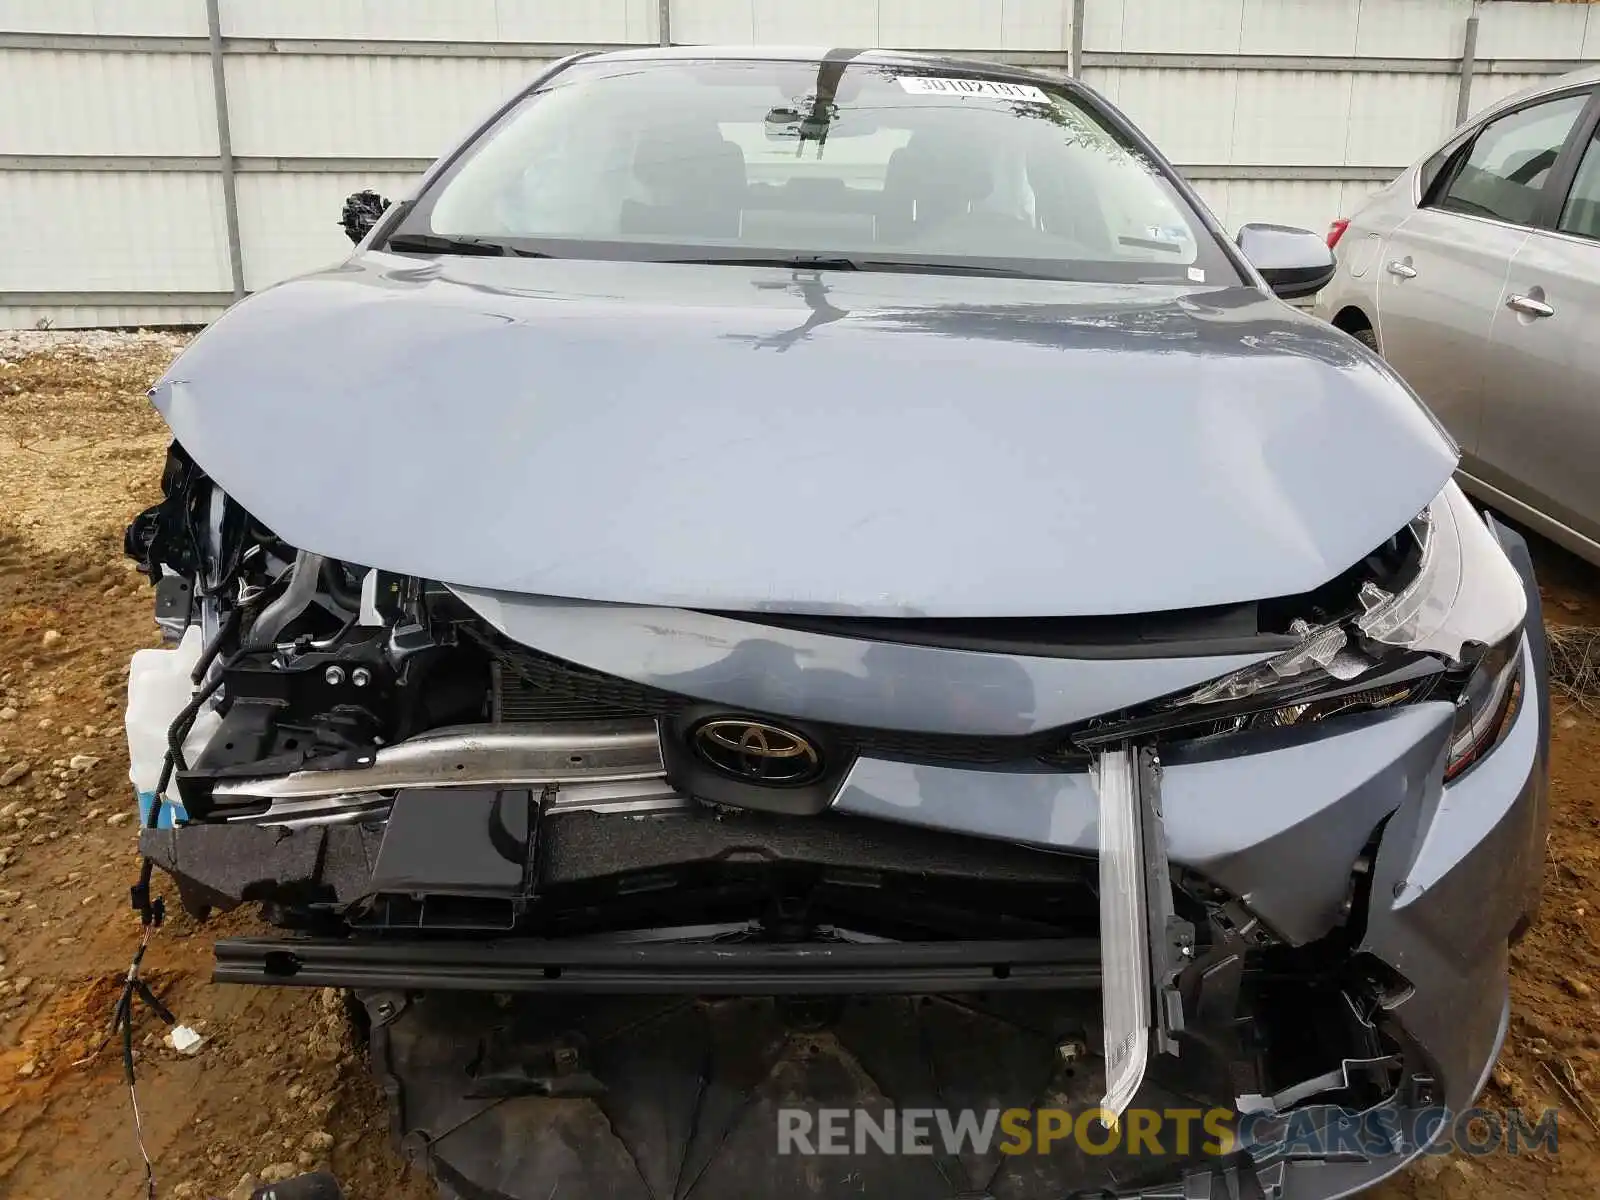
943	86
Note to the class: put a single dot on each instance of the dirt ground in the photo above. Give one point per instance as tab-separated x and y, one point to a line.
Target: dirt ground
279	1084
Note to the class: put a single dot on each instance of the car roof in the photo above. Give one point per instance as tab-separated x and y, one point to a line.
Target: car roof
1578	78
1588	74
817	53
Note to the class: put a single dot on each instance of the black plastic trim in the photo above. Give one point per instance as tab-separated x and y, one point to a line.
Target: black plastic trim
1163	717
1187	633
704	968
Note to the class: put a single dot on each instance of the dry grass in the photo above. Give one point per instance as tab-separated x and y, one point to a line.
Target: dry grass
1575	664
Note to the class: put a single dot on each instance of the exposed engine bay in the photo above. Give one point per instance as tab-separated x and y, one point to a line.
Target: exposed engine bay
338	683
432	805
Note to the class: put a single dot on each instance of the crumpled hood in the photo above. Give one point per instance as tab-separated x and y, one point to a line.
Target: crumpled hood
755	438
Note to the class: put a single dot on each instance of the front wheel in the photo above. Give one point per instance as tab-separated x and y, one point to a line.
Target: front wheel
1367	338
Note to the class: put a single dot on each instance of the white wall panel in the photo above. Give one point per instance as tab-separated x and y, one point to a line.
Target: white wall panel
461	20
1353	193
1511	30
113	231
290	221
1214	192
1591	38
577	20
1373	137
179	18
1378	28
1239	117
1412	28
466	20
712	22
1188	114
905	24
1186	27
814	23
1102	25
1291	117
941	24
288	106
643	21
54	102
1491	89
1036	24
1307	204
1107	81
1299	26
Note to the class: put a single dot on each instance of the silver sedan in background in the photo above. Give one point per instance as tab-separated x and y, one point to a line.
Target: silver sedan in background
1476	274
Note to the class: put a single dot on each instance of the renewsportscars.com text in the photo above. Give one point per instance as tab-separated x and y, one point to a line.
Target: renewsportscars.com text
1160	1132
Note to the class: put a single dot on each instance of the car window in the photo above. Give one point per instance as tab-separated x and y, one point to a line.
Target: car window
1510	159
1429	174
914	163
1581	213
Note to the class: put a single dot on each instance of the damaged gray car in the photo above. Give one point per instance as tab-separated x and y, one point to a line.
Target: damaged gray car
786	582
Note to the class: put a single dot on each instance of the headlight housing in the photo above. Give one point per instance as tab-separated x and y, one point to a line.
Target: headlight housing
1456	628
1467	605
1465	589
1488	701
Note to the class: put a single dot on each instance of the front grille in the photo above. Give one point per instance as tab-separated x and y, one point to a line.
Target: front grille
520	698
941	747
531	686
534	686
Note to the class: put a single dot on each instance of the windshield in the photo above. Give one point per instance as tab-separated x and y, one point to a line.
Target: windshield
863	164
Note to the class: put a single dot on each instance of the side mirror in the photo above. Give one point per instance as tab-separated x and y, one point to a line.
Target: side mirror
1294	262
361	213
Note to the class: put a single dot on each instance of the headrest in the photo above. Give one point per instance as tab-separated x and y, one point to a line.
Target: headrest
681	159
949	168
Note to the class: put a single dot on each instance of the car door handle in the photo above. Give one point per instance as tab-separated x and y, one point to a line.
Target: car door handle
1403	270
1530	306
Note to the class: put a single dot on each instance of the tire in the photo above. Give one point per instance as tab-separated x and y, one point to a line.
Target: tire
1367	338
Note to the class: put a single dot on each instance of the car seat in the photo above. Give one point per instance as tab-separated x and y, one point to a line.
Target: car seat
695	183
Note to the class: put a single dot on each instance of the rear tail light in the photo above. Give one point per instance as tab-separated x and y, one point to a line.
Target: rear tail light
1336	231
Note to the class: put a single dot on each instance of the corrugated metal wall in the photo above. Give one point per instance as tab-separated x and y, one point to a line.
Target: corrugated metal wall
110	169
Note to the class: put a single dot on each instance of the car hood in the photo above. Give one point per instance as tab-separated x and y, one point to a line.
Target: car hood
749	439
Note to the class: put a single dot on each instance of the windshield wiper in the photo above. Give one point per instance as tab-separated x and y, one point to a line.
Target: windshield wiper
433	243
810	262
936	267
828	262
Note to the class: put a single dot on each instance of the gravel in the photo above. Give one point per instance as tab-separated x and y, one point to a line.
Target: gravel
14	343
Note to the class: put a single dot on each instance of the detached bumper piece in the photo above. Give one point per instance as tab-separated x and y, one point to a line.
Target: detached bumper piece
699	968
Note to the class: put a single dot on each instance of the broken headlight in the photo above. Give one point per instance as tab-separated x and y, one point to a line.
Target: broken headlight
1465	589
1488	701
1458	618
1467	605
